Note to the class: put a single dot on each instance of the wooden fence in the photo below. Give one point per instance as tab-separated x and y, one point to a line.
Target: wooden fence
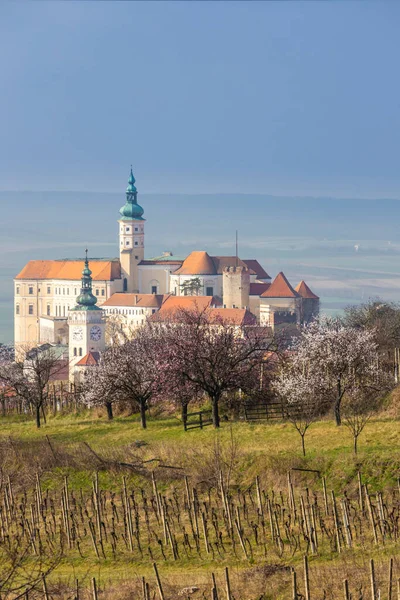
203	419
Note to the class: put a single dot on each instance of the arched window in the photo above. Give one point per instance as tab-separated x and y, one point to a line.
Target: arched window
75	352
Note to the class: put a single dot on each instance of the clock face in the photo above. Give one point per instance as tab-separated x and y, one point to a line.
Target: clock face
95	333
77	334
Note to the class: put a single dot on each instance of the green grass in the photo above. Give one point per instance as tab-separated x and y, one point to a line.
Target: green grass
267	450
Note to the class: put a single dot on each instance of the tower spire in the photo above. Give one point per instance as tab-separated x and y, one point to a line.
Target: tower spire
131	210
86	300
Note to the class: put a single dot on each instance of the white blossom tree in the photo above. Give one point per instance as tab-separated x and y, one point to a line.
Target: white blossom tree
344	357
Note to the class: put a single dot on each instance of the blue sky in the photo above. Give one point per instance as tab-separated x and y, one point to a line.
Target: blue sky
290	98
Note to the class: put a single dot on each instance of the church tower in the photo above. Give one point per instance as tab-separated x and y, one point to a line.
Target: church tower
86	323
131	237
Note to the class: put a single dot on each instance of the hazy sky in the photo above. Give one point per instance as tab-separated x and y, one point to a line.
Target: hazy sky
283	98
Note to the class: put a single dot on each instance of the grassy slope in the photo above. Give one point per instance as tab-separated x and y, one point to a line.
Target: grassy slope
268	450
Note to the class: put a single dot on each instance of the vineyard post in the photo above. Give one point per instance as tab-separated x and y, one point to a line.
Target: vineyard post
390	579
346	590
160	590
228	585
294	585
306	579
373	582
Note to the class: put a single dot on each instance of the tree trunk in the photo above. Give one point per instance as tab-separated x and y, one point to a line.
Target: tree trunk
143	414
215	411
355	444
184	413
303	444
338	402
110	415
37	411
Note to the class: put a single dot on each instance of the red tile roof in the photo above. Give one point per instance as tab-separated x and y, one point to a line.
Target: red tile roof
201	263
280	288
255	266
304	291
91	359
232	316
256	289
175	303
197	263
102	270
143	300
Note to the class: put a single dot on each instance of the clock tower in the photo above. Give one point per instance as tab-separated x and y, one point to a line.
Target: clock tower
131	237
86	323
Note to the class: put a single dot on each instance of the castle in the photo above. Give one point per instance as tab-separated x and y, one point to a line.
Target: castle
67	302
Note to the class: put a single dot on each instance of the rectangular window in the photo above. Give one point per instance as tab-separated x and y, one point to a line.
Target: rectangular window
30	290
136	258
136	243
103	292
80	351
136	229
30	309
76	292
48	289
97	292
48	310
154	289
74	351
17	289
127	243
64	291
209	291
67	291
17	309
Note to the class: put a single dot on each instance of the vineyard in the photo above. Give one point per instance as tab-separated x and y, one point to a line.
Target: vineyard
84	520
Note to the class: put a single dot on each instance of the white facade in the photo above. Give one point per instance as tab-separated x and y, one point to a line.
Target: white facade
86	334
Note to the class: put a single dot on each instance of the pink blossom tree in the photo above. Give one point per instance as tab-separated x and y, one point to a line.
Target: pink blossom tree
130	372
212	356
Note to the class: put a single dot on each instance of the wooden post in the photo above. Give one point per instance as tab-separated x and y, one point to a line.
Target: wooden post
373	583
294	585
228	585
390	579
306	579
94	589
160	590
201	420
45	592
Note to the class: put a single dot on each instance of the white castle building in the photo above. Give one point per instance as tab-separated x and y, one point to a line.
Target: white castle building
48	294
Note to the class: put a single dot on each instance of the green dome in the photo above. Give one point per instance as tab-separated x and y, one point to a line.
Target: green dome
131	209
86	300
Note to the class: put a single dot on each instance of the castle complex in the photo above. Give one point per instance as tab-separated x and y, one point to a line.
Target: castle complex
68	302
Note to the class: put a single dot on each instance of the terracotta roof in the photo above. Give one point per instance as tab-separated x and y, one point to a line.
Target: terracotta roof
233	316
304	291
256	289
102	269
280	288
221	262
91	359
197	263
255	266
174	303
146	300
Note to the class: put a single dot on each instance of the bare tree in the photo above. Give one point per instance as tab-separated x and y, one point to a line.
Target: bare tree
213	355
30	378
302	393
359	405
